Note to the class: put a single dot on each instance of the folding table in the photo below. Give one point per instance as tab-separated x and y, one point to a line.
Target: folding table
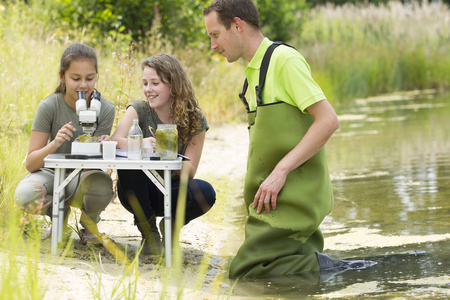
149	167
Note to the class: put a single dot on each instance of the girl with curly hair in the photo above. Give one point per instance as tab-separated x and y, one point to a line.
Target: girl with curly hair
170	100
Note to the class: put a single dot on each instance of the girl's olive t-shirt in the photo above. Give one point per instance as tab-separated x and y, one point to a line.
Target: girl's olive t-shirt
53	113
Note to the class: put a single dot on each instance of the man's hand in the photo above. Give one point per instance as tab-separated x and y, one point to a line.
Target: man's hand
268	192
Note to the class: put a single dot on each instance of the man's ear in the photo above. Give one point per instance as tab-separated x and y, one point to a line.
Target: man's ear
237	24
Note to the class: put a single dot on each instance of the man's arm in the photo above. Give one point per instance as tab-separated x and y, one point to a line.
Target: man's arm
324	125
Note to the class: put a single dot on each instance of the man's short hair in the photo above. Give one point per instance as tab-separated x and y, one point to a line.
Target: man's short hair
227	10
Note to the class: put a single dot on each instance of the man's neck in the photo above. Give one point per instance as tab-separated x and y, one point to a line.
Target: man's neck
254	40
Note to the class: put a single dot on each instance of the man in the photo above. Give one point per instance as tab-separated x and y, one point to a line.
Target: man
287	186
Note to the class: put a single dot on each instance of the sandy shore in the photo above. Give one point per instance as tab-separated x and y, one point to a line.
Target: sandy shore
78	276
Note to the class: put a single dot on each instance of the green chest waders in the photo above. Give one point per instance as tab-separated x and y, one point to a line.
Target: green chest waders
285	240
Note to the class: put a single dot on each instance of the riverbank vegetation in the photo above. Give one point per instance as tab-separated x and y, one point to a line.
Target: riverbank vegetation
361	51
354	51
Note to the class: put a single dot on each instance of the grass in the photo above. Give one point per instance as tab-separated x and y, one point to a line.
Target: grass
361	51
353	51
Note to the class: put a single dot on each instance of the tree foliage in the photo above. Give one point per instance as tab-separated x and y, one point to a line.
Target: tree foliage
281	20
181	22
178	21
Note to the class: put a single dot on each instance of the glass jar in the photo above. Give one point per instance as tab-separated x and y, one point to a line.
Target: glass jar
167	141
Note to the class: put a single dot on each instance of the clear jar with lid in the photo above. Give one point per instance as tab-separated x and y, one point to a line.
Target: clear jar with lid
167	141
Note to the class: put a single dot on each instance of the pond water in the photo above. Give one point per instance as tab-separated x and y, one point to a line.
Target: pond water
390	168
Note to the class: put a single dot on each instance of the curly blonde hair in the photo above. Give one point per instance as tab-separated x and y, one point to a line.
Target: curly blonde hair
186	111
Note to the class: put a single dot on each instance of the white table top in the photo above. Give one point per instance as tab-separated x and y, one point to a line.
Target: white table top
58	160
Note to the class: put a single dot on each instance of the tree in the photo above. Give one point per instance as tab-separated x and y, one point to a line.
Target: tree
178	21
280	20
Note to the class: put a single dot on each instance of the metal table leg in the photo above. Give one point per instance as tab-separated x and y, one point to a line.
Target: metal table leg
166	189
168	217
59	177
62	195
59	183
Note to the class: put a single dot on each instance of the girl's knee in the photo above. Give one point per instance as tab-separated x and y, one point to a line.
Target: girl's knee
28	193
203	193
32	198
98	183
34	188
206	191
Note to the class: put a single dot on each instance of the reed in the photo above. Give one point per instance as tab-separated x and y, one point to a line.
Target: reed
359	51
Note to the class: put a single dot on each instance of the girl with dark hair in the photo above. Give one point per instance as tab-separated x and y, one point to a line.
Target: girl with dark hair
55	127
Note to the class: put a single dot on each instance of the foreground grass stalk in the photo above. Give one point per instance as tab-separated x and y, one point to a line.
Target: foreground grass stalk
20	276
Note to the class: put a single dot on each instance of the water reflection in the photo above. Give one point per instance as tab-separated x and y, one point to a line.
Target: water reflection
400	170
390	169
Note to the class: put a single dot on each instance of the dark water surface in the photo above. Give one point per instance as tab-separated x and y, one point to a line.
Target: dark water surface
390	168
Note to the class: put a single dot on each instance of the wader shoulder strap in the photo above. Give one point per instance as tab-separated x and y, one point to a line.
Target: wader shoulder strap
262	76
242	95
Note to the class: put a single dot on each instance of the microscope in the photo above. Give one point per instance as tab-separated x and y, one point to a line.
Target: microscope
88	116
88	119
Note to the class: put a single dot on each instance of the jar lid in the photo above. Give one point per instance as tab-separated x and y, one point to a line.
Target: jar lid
167	126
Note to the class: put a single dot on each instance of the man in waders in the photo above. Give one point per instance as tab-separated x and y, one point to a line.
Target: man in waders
287	186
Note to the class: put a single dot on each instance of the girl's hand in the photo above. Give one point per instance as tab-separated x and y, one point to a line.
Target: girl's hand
64	134
104	137
150	140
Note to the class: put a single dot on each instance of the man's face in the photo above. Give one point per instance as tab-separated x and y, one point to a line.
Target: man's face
226	42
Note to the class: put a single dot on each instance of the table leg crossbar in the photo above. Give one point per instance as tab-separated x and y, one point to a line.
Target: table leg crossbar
164	185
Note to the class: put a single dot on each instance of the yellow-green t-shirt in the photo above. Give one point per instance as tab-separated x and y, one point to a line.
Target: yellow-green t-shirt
288	78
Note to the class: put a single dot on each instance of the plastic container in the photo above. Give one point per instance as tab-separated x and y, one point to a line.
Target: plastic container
109	150
148	150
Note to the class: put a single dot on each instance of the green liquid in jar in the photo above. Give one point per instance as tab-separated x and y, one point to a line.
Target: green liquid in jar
167	142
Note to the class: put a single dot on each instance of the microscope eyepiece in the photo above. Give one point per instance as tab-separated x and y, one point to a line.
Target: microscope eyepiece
81	95
96	95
